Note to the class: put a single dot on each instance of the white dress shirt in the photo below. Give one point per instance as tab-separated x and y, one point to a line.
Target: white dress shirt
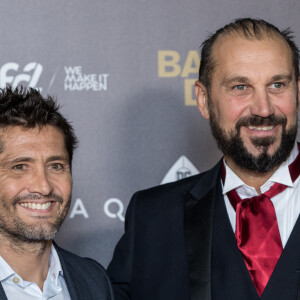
16	288
286	203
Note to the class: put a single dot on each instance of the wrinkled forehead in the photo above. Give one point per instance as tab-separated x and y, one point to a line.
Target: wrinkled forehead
234	35
18	133
226	44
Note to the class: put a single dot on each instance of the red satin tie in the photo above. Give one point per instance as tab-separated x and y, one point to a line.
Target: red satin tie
257	231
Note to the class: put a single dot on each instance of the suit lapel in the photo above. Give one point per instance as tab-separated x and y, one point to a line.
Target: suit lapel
198	225
2	293
76	288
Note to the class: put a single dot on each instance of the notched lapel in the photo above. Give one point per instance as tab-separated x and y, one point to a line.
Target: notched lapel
76	287
198	225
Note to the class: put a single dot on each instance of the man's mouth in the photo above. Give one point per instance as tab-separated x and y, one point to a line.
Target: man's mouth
260	128
39	206
259	124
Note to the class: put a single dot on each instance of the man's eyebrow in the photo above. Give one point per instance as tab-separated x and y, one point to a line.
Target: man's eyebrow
235	79
20	159
243	80
279	77
15	160
58	157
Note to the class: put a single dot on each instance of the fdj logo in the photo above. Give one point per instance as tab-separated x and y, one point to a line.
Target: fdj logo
29	76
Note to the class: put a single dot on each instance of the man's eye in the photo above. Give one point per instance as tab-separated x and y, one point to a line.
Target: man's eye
19	167
277	85
56	166
240	87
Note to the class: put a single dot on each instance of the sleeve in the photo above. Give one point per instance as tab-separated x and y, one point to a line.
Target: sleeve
120	268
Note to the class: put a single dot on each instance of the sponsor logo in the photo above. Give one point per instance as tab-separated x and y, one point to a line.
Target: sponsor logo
114	208
171	65
11	73
76	80
78	209
182	168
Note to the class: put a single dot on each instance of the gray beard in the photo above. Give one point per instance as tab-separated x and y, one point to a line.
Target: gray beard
18	231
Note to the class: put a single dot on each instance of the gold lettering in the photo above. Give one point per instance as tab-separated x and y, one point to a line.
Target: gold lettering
192	64
189	92
168	63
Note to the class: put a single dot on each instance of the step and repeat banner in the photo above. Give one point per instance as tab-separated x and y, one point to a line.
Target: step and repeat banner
123	72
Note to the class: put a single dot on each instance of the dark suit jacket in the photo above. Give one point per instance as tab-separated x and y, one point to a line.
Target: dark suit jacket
85	278
165	253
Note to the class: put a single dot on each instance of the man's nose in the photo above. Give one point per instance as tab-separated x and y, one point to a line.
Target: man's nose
40	182
261	104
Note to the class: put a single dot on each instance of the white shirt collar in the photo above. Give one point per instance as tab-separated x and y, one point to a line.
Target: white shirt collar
5	269
55	269
281	175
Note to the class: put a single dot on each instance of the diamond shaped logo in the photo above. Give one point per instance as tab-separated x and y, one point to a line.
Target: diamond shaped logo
182	168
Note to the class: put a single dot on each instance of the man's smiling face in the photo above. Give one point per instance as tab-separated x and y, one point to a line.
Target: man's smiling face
35	182
253	101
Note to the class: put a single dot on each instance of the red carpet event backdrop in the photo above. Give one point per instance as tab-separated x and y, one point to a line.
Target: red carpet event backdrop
123	72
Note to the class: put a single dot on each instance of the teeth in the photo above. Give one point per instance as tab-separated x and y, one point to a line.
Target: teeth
37	206
265	128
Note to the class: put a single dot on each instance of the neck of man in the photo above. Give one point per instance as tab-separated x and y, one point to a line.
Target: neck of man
30	260
251	178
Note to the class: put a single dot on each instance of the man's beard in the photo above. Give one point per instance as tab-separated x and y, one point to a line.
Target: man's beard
233	146
13	227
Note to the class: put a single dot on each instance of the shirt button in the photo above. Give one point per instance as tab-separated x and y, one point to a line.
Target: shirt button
16	280
248	192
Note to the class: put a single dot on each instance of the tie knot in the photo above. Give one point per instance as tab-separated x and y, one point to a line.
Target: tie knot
253	204
260	197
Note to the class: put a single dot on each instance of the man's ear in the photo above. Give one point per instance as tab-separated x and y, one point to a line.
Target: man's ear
202	98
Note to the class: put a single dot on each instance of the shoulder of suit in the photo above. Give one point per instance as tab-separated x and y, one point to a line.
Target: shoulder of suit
176	191
85	273
82	263
183	184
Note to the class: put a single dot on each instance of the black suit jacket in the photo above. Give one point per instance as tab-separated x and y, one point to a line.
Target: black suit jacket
85	278
165	252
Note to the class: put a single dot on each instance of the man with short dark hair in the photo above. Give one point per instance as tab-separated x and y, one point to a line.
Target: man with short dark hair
231	232
36	150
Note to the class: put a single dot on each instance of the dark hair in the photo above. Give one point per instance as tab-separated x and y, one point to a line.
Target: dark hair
27	108
250	29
